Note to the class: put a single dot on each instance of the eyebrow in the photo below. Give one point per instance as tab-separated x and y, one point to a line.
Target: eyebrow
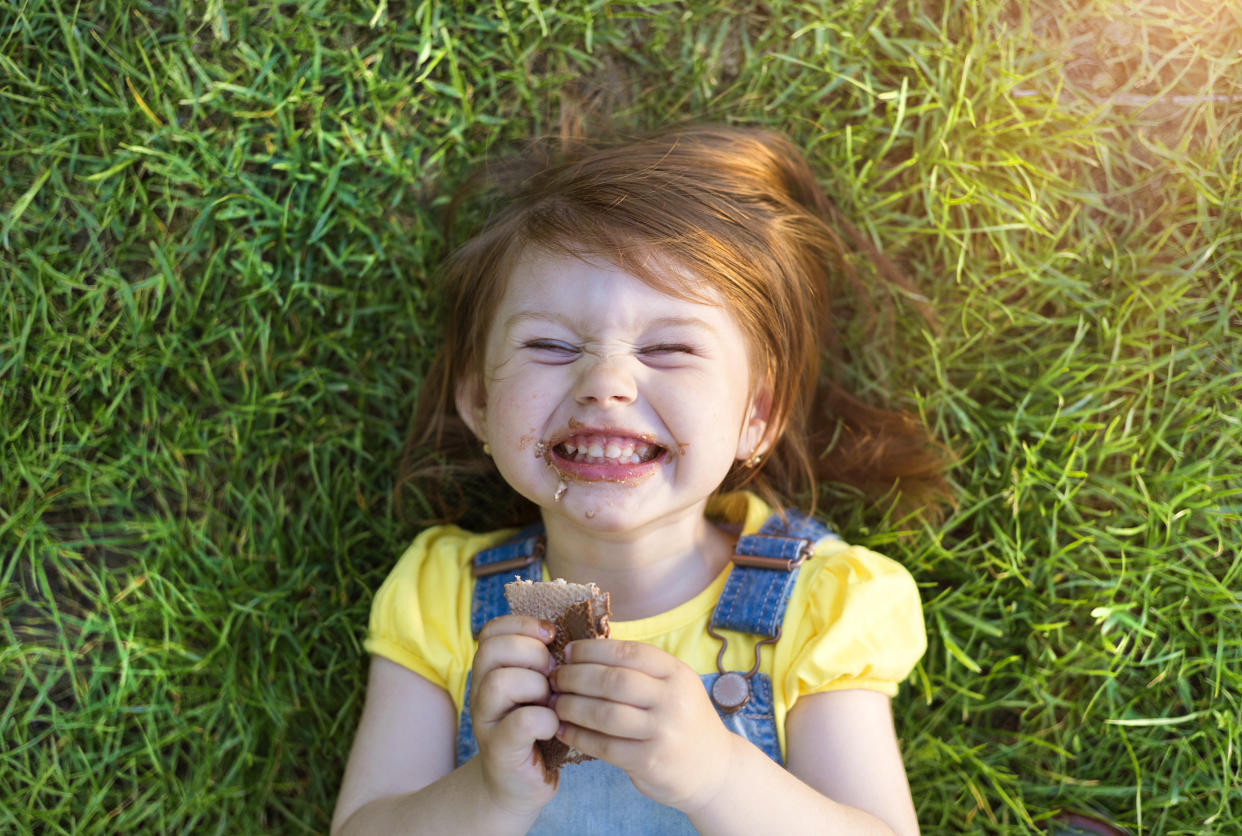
561	319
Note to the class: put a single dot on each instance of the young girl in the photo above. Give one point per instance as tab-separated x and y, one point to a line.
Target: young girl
632	339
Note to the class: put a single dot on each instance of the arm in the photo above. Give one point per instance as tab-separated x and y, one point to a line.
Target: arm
396	750
845	774
843	743
400	776
645	711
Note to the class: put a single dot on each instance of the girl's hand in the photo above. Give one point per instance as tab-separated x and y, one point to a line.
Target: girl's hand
509	708
647	712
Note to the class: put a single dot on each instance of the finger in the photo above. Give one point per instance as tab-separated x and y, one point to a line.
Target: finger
524	625
637	655
512	650
503	689
618	751
624	685
512	739
608	718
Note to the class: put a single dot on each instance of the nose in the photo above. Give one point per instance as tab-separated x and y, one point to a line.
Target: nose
605	381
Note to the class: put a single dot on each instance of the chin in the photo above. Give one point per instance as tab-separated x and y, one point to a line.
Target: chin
606	516
603	521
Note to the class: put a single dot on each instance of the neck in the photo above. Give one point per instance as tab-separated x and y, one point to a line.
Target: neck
645	572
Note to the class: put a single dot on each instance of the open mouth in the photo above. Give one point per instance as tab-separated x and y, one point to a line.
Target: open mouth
606	449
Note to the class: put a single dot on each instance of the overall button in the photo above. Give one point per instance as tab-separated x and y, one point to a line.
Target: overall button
730	692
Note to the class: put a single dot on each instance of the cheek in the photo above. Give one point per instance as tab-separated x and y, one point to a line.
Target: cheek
519	404
714	398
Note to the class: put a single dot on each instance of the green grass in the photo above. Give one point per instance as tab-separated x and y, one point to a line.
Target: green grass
217	224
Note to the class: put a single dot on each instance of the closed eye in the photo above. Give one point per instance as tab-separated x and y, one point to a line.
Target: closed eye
553	348
667	348
667	355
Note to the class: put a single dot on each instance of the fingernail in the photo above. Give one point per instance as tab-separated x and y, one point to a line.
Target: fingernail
568	652
547	629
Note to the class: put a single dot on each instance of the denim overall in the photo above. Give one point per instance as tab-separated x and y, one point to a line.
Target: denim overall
597	797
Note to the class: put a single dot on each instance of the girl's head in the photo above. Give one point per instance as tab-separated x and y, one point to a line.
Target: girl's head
605	399
726	216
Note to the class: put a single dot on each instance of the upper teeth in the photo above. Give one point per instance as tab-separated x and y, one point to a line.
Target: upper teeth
597	449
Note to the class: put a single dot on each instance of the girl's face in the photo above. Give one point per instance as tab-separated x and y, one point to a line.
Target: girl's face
609	402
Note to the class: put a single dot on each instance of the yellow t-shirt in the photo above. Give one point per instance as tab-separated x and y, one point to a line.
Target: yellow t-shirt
854	619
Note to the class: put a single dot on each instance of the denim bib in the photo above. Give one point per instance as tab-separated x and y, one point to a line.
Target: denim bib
595	796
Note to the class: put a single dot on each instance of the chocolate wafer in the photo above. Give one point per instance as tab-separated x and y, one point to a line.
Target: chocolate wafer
579	611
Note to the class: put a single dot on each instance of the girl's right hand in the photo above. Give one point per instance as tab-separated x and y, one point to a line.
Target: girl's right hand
509	708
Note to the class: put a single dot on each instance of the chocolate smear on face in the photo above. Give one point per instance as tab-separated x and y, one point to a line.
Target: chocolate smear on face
561	489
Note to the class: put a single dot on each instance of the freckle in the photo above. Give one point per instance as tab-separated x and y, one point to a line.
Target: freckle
590	515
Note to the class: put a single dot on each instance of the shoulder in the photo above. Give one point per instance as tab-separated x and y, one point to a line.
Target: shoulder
442	553
854	564
832	561
421	612
856	620
840	578
447	548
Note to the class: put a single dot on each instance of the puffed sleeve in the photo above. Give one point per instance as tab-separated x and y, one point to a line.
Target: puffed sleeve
420	615
858	623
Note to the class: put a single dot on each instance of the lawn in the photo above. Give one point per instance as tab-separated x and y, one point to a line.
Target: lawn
219	225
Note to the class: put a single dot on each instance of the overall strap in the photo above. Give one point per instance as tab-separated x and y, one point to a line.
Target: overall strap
765	566
519	556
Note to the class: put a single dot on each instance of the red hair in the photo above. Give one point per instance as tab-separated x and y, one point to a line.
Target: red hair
738	211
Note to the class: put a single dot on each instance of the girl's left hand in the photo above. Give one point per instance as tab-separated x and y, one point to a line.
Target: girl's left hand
645	711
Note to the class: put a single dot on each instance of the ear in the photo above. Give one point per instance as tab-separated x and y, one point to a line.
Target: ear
471	403
756	437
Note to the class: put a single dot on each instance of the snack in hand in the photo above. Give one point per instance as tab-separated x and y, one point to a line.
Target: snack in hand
579	611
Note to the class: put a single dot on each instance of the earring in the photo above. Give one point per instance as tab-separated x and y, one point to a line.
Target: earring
487	449
755	460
